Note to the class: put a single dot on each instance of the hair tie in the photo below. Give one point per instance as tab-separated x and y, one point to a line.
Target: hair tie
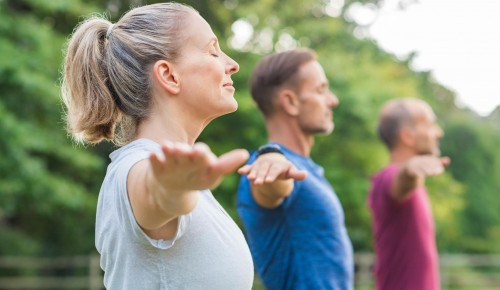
108	33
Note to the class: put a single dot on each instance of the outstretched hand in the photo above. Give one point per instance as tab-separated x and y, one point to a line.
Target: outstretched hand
183	167
426	165
414	171
271	167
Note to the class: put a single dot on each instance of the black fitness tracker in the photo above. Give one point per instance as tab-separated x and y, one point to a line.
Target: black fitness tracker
269	148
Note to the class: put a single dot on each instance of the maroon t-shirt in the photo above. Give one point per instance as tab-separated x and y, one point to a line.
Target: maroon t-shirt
405	246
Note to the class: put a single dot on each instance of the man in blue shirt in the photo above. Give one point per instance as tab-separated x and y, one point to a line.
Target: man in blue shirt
293	219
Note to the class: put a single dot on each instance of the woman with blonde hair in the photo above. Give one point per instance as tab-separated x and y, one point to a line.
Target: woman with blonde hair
151	83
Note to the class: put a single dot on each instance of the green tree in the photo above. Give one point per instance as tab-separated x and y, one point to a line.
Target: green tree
47	185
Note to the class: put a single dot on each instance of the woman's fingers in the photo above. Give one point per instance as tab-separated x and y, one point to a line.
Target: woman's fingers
230	161
156	163
245	169
445	161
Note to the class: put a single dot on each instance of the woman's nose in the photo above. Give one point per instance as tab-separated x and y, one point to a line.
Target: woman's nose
232	66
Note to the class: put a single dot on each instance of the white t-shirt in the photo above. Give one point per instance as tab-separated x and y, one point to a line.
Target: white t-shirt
208	252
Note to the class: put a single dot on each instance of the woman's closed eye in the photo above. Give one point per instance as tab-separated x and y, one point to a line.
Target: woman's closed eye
214	51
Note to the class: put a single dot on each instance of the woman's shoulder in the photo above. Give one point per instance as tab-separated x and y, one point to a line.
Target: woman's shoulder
137	147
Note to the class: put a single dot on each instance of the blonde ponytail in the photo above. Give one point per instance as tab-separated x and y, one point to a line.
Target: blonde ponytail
91	110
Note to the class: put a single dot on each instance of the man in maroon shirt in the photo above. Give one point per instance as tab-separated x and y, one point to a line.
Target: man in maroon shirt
403	225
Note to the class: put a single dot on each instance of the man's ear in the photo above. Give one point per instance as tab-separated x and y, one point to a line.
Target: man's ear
407	136
166	76
288	100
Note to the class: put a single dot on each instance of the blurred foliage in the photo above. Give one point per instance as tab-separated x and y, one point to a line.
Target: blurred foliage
49	185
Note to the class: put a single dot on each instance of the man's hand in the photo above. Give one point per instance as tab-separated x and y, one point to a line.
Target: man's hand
414	171
425	165
271	177
271	167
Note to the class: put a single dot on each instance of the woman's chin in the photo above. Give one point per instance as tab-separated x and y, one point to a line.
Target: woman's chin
232	106
232	109
227	109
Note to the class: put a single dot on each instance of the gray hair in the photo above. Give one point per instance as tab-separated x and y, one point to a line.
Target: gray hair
394	115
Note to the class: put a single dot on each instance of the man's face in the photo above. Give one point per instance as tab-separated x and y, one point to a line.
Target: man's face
316	100
427	132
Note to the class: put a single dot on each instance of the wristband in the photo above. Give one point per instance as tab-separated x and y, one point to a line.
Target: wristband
269	148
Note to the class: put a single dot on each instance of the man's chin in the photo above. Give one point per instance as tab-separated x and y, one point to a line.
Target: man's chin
433	153
324	131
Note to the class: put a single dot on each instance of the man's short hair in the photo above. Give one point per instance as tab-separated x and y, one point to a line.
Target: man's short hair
277	71
394	115
389	127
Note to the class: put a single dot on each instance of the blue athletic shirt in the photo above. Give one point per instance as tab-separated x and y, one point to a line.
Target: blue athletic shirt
303	243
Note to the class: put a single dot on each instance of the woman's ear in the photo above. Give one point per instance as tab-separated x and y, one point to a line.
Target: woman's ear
165	75
288	101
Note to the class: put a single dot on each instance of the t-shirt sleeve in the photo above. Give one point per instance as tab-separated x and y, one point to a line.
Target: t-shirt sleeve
290	198
124	208
387	179
384	184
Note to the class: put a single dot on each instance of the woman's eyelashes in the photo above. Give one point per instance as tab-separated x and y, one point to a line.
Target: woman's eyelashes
214	52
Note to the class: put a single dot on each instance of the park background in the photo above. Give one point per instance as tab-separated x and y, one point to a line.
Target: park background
49	184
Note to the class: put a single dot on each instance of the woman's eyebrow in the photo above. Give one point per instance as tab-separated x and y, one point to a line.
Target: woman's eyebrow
213	40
